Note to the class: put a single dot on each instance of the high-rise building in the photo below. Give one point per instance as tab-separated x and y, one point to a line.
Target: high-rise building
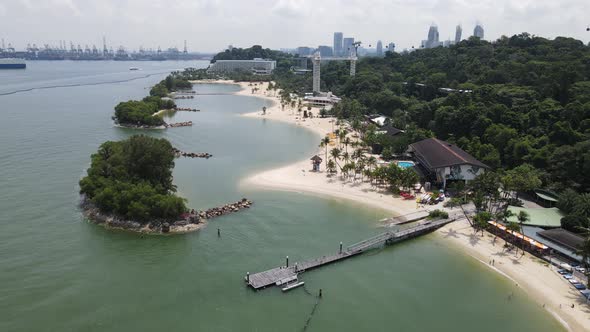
304	50
391	47
432	40
379	48
348	46
338	48
325	51
478	31
458	32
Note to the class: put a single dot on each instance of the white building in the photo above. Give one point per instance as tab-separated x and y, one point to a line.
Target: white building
323	100
257	66
442	162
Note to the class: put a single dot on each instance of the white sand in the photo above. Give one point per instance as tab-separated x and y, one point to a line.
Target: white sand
532	276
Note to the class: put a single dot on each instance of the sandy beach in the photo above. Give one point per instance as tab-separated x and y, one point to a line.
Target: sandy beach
530	275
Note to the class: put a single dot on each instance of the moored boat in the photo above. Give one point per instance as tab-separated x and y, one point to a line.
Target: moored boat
12	63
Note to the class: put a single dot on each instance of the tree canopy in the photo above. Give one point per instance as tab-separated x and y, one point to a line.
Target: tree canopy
517	100
133	179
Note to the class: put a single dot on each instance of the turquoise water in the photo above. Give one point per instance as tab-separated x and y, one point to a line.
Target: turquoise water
405	164
60	273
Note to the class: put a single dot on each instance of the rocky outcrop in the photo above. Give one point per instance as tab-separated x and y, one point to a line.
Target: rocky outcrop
179	124
188	222
225	209
179	154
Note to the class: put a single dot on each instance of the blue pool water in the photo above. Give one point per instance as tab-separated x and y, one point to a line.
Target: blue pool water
405	164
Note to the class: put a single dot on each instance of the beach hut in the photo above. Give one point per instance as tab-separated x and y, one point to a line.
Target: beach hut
316	161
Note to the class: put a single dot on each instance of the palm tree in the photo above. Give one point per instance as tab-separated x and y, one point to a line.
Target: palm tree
345	156
331	166
357	154
347	142
341	134
522	217
324	143
515	227
335	153
372	162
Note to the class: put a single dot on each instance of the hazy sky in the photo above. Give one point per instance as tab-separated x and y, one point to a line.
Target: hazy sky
211	25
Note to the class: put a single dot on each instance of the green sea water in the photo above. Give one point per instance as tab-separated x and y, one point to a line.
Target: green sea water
60	273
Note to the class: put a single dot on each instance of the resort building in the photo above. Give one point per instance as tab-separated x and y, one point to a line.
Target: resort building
442	162
378	120
257	66
322	100
390	130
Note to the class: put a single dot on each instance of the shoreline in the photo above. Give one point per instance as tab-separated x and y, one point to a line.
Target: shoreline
114	222
537	279
190	222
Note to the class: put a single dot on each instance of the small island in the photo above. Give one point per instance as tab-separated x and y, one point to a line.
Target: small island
129	186
146	113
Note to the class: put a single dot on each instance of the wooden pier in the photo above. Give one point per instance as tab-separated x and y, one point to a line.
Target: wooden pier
278	275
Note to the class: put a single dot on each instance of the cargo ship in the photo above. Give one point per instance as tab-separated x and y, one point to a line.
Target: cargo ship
12	63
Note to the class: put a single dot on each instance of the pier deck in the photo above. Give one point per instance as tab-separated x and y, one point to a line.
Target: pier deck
271	277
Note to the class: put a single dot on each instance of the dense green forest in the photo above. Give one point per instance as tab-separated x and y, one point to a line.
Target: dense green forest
141	112
527	100
173	82
133	178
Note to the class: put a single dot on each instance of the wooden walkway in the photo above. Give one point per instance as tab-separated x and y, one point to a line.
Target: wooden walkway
276	275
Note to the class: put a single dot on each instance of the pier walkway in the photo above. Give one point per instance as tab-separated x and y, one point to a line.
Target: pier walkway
282	274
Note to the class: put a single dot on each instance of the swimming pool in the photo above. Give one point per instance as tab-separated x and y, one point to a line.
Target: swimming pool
405	164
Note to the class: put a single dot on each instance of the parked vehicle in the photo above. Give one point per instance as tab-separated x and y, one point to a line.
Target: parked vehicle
579	286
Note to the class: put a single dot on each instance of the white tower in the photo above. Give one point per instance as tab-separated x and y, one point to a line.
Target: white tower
316	71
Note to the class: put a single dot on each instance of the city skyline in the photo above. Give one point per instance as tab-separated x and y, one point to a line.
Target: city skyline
211	25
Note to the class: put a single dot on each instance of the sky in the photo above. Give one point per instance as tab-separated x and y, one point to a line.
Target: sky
212	25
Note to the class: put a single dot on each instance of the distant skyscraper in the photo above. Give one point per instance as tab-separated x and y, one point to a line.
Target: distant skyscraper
325	51
338	48
458	33
304	50
379	48
391	47
432	40
347	46
478	31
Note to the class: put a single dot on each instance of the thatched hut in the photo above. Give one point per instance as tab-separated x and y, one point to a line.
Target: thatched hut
316	161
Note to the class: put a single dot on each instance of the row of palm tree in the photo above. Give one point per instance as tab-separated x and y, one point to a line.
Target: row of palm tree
356	165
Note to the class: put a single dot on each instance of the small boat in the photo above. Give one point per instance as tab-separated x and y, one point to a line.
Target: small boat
12	63
293	285
133	68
